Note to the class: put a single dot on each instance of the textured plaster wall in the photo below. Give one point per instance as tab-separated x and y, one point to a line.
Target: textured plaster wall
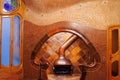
99	14
93	13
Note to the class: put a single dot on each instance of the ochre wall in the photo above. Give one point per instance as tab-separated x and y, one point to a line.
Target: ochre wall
93	13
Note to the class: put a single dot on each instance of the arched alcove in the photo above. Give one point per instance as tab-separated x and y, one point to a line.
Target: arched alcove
80	51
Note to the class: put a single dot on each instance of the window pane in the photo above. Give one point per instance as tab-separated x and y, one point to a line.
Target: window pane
115	68
16	49
115	41
10	5
5	41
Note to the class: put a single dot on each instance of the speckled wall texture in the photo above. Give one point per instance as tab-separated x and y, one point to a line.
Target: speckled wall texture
93	13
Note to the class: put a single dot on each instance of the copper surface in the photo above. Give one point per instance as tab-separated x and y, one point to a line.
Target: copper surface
62	59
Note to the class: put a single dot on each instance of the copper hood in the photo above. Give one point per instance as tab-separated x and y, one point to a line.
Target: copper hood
62	64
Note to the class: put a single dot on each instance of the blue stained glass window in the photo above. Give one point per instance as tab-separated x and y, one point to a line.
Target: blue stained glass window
5	41
10	5
16	48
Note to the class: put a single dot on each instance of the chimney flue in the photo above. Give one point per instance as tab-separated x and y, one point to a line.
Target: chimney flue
63	65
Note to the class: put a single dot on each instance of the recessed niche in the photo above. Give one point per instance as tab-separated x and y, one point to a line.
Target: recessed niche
78	51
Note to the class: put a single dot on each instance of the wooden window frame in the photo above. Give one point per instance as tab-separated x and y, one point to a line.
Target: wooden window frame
112	57
17	12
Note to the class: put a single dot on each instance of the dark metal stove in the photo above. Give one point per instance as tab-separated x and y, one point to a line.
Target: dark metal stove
62	69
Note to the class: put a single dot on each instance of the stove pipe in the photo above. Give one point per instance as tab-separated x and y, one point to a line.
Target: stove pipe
62	65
